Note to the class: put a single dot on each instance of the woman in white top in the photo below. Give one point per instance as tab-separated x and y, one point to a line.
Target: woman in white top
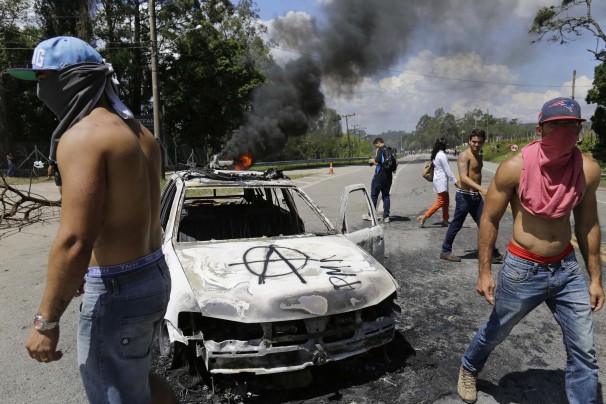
441	175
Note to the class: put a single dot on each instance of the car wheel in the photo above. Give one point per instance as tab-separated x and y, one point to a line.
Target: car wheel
173	351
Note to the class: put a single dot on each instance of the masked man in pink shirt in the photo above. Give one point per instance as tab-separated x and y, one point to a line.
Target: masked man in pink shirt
545	183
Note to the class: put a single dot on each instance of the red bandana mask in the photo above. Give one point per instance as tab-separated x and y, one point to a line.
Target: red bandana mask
552	180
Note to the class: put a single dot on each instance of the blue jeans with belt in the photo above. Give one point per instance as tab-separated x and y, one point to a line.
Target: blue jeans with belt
119	317
522	285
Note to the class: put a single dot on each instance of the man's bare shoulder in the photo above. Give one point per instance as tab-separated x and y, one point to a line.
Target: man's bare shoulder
465	156
592	170
590	166
509	170
99	130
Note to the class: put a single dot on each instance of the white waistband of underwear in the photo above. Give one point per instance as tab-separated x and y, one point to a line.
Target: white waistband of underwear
466	192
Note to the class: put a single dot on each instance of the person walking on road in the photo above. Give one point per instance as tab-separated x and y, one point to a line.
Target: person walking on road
109	233
10	161
382	179
469	198
441	175
545	183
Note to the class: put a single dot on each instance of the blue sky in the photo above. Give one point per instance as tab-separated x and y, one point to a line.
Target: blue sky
453	57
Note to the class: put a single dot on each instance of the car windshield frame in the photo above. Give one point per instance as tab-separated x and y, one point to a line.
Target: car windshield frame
280	194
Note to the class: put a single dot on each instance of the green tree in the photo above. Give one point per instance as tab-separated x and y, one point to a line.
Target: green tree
597	95
22	116
60	17
442	124
562	24
210	69
122	26
327	123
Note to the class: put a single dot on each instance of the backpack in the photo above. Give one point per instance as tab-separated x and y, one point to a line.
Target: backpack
390	159
428	171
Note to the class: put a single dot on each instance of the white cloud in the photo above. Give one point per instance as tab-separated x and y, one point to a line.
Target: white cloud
420	86
487	62
528	8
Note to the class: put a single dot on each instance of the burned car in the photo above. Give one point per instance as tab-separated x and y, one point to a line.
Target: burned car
262	282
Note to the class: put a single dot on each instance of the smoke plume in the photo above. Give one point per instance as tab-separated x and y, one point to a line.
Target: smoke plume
352	39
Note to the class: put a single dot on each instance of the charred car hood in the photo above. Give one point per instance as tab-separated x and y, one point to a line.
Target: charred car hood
282	279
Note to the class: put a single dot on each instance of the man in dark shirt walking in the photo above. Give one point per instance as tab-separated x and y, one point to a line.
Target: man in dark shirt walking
381	182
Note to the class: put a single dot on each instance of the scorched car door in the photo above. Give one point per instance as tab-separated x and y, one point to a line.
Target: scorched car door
357	220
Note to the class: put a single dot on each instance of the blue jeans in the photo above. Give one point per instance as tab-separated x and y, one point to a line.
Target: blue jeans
382	184
465	204
522	285
118	319
11	170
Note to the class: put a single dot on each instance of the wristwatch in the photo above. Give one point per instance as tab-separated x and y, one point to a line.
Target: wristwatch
41	324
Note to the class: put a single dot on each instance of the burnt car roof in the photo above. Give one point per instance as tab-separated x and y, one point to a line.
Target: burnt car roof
271	176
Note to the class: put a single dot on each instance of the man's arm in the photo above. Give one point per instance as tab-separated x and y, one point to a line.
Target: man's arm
588	235
376	160
497	198
83	173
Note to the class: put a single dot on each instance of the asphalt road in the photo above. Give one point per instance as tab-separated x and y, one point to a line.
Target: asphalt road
440	313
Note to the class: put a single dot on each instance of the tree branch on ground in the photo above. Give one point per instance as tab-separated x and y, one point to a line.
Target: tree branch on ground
19	209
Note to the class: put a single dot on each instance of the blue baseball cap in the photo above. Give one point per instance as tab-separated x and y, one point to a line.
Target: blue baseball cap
560	108
55	54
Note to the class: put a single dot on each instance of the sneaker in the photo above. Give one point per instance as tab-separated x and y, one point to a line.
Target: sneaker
497	259
421	219
466	387
386	219
450	257
365	217
444	223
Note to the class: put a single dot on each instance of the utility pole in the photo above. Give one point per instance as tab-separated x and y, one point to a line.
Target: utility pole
347	116
154	76
487	113
574	77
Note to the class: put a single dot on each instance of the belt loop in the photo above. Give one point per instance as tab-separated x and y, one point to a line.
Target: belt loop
115	286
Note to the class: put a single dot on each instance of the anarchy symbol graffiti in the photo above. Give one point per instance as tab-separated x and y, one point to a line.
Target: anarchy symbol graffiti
274	261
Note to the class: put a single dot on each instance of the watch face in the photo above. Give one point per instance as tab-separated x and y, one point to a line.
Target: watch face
39	324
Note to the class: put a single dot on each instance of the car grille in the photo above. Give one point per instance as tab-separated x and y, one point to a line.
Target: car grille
328	329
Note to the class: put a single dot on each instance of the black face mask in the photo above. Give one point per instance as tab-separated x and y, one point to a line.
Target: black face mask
71	93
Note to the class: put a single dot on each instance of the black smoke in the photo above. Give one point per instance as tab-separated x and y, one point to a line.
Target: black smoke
352	39
281	108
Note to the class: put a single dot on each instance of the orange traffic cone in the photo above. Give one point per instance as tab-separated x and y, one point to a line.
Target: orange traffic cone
330	170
